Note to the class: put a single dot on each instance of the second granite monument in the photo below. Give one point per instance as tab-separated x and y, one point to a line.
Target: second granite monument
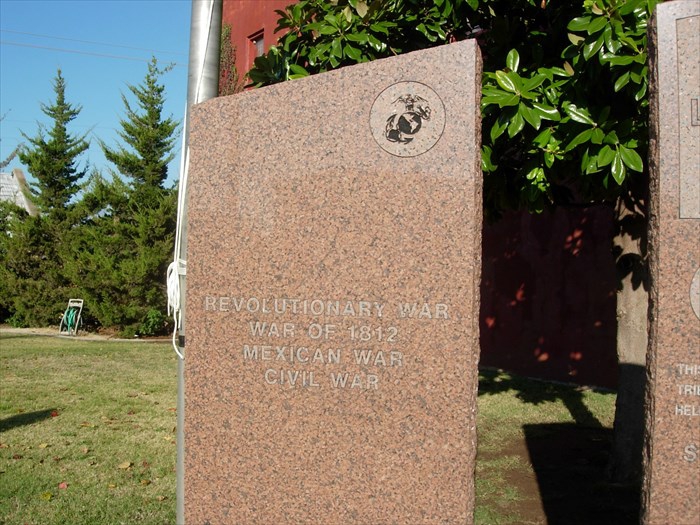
672	464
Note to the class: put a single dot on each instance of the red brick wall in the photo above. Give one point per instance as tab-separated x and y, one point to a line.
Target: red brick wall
248	18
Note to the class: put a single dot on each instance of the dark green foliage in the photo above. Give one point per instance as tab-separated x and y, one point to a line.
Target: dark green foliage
51	156
149	137
111	243
34	285
120	255
573	117
564	85
6	210
121	250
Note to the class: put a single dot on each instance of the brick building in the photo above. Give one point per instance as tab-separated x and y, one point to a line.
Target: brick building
253	24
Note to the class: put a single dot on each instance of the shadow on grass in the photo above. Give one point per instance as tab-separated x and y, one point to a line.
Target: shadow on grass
25	419
537	392
13	335
6	336
569	460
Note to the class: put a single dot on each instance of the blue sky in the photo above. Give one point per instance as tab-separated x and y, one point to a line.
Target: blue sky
100	47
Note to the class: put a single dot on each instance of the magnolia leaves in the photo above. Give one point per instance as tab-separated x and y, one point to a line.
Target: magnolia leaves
617	35
323	37
521	97
533	108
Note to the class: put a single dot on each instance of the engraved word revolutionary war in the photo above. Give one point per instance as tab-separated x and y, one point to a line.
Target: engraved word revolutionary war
333	276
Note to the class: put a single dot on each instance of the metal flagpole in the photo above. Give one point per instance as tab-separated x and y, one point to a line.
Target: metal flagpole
202	84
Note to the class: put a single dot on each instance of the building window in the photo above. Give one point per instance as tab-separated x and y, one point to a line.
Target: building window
258	42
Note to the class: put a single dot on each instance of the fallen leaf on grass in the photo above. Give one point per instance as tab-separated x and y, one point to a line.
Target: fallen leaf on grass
46	496
161	498
57	458
54	413
145	482
4	445
125	466
63	485
17	456
87	424
112	486
43	445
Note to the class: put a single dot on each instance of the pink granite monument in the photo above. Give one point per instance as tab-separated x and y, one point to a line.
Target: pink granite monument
333	286
671	493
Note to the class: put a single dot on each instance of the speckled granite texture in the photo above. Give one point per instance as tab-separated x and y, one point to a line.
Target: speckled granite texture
332	303
671	493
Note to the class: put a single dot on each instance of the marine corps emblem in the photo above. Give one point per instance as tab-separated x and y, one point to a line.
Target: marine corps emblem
400	127
407	119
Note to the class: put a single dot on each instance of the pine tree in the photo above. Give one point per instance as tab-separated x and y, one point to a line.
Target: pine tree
148	135
34	248
124	247
51	155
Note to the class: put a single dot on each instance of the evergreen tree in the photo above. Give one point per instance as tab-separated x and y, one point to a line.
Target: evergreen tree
51	156
33	248
150	138
124	244
96	248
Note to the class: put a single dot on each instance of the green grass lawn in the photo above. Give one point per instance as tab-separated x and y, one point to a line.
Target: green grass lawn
87	434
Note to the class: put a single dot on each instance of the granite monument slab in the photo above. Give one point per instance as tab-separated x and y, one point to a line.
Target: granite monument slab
671	492
334	246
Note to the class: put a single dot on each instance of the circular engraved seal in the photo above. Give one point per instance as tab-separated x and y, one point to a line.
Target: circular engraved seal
407	119
695	293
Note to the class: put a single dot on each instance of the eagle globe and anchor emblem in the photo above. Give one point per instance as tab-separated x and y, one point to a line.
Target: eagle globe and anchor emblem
407	119
402	127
